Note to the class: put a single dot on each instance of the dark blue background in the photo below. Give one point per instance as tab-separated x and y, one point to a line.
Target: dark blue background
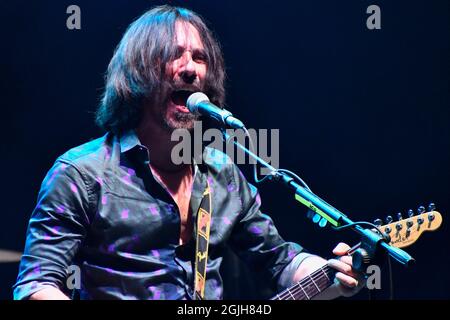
363	115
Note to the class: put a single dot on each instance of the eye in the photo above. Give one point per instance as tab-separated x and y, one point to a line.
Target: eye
179	52
200	57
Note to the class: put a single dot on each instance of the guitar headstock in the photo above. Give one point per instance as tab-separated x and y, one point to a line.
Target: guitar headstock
405	231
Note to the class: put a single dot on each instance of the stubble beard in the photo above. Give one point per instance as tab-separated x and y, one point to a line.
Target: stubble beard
170	121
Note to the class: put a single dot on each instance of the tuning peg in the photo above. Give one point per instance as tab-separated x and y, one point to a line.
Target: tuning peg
420	220
430	217
431	207
408	232
378	222
322	223
389	219
410	213
409	223
421	209
399	216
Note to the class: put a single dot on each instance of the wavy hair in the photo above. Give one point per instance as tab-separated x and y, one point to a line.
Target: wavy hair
136	72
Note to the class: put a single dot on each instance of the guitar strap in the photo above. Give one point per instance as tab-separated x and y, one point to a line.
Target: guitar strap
201	249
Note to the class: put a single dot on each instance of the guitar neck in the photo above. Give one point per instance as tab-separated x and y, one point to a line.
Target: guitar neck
310	286
403	233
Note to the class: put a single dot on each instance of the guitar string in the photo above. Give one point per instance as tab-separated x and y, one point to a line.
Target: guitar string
304	287
310	287
322	282
299	287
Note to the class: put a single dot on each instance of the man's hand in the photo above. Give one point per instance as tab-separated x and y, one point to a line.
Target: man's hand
348	281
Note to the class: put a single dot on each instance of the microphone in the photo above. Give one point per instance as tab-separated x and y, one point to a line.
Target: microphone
198	103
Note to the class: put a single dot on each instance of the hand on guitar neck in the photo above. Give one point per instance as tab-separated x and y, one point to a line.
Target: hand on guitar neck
347	281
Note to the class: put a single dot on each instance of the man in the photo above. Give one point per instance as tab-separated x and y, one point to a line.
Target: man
122	210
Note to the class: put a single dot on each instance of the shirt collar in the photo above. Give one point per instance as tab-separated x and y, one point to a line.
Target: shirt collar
130	141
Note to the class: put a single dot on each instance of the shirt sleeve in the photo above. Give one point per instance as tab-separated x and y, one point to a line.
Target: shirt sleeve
287	276
256	240
56	228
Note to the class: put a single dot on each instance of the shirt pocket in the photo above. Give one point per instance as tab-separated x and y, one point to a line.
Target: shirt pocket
135	223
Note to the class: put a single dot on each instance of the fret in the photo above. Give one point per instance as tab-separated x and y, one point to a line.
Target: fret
314	283
309	286
321	268
293	298
301	287
310	290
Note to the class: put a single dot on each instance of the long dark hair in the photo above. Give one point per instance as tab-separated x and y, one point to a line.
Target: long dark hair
136	71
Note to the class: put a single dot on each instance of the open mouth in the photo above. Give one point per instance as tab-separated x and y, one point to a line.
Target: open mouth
179	97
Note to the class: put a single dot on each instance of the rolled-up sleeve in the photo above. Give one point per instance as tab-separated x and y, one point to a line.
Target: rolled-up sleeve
257	241
55	231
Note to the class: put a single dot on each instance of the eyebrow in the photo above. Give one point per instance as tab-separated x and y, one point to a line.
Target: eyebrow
194	51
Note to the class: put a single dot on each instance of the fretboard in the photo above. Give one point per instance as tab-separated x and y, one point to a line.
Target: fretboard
310	286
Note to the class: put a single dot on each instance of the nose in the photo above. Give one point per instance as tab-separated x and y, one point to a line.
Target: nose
187	71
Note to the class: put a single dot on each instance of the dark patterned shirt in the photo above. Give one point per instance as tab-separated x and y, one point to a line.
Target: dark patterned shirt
100	208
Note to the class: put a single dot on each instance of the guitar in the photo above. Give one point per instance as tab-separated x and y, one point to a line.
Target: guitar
402	233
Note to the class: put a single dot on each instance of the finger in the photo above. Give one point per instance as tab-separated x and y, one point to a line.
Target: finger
342	267
346	280
341	249
346	259
348	270
342	286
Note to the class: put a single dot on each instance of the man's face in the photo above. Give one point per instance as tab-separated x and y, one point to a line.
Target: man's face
187	74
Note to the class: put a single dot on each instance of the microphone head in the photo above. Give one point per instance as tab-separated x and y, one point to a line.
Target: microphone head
194	99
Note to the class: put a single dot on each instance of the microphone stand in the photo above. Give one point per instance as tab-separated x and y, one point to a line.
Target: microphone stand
374	246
